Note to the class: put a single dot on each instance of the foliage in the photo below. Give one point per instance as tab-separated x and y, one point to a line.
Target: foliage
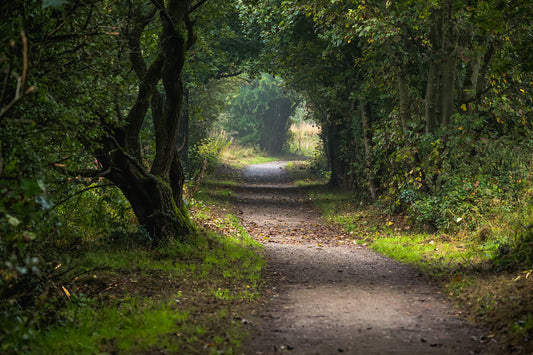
71	84
204	158
259	114
156	303
518	252
430	119
304	135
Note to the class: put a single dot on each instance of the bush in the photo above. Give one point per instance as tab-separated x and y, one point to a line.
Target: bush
458	180
207	151
518	253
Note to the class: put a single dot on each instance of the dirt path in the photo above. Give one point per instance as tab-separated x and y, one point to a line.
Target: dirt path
327	296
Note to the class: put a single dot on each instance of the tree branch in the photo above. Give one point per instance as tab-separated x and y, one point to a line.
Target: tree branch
190	32
196	6
79	193
20	93
163	12
84	173
230	75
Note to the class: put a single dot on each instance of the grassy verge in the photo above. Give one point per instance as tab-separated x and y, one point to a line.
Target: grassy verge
186	298
463	264
301	172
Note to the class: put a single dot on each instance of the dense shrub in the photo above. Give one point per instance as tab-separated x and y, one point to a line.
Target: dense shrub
517	253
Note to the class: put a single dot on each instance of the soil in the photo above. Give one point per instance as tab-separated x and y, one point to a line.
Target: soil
328	295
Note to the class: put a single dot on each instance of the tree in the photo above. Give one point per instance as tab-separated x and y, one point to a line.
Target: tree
121	66
260	114
155	192
403	89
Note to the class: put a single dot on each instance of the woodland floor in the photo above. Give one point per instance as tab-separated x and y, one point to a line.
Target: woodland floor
326	295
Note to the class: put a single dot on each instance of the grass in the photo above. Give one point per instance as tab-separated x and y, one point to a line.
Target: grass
300	172
239	156
178	298
304	139
461	263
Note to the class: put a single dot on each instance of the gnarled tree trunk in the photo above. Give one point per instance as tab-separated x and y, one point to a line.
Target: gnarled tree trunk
155	193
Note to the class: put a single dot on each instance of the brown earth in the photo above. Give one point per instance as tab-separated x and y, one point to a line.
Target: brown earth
327	295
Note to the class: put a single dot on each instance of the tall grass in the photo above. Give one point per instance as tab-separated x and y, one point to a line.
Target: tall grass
304	139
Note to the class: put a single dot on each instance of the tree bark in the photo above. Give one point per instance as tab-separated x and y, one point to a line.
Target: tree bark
403	91
275	125
332	148
369	156
151	198
156	195
448	63
183	138
440	87
431	98
448	88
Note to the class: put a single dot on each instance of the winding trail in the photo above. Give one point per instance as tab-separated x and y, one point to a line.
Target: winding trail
330	296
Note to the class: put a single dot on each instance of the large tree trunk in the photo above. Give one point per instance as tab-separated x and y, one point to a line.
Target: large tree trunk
369	156
403	90
431	98
448	63
332	149
183	139
338	138
275	125
152	199
448	87
441	75
473	65
155	194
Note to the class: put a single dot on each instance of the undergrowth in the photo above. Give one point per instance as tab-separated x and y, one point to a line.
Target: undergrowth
114	296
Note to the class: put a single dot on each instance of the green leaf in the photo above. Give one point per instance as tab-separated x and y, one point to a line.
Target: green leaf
12	220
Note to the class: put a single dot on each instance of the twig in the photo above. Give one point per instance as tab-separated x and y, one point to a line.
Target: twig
21	80
80	192
199	179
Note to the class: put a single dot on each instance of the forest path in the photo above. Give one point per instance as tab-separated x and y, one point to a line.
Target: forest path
329	296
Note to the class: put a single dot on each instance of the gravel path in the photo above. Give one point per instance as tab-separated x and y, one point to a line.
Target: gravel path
329	296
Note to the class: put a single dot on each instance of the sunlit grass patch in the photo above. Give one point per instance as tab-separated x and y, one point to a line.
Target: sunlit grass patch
300	170
304	138
239	156
129	325
435	255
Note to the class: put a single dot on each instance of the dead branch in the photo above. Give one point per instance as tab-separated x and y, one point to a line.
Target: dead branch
20	92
